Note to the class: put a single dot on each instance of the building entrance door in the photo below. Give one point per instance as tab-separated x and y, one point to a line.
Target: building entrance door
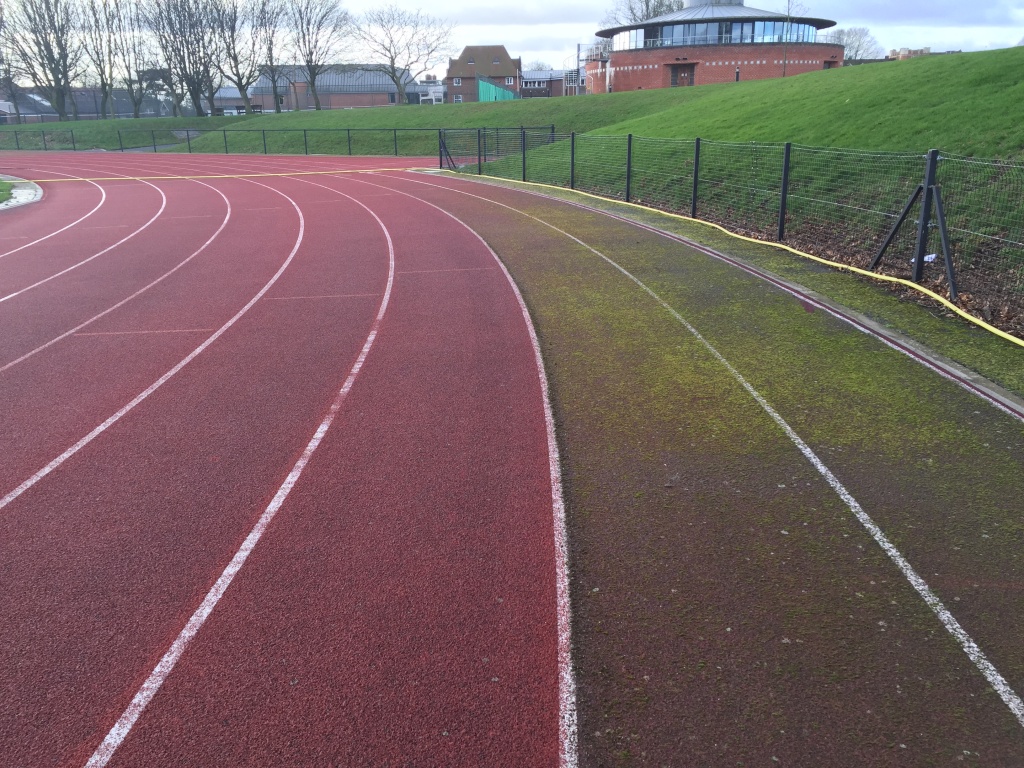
682	74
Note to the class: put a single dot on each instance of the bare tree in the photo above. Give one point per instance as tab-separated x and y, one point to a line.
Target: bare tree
10	71
133	54
100	24
185	32
318	29
792	8
45	41
404	44
858	42
538	65
239	41
267	29
634	11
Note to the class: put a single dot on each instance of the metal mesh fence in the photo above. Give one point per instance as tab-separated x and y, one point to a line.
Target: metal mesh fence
739	185
982	200
842	205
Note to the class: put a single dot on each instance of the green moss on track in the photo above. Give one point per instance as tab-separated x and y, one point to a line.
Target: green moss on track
6	188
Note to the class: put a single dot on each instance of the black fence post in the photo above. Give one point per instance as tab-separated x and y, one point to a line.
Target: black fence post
572	160
696	178
947	251
264	142
153	136
522	134
73	147
479	153
225	142
396	142
17	143
42	134
785	192
629	164
305	141
119	142
485	145
440	150
348	132
188	139
926	214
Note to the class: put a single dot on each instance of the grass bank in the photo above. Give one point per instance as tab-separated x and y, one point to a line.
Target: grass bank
970	104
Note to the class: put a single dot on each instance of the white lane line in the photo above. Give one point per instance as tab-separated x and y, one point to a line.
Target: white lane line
967	643
143	289
568	725
103	199
167	663
436	271
329	296
163	205
129	333
110	421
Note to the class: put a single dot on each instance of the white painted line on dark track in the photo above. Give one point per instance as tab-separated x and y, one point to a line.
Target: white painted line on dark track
149	688
163	205
113	419
568	756
94	318
966	642
103	199
130	333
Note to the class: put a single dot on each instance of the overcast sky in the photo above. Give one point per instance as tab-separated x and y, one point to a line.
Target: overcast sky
549	31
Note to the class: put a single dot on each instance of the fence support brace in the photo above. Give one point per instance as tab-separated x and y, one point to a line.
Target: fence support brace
785	192
696	178
926	214
572	160
522	133
629	164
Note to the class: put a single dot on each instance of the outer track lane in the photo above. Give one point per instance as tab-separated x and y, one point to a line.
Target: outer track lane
744	535
401	609
103	558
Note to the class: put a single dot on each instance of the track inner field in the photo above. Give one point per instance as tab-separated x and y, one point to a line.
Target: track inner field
402	605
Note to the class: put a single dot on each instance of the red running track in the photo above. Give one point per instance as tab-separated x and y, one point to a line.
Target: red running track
399	604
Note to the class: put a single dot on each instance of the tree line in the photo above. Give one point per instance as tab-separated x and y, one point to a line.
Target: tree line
186	50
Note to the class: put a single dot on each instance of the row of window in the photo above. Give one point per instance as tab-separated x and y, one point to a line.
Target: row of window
715	33
508	81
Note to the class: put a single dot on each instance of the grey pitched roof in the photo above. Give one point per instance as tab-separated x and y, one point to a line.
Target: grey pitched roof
543	74
340	78
735	11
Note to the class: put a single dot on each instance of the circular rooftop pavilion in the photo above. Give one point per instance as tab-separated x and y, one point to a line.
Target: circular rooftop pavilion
715	22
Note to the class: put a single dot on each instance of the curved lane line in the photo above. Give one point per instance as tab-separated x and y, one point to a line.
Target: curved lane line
94	318
967	643
110	421
167	663
163	205
103	199
567	720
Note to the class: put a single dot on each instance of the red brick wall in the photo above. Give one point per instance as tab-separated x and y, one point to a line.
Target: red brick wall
652	68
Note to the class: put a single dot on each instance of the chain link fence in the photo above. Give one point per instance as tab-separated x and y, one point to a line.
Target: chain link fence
862	209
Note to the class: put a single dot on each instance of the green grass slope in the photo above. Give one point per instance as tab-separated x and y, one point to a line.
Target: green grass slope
970	103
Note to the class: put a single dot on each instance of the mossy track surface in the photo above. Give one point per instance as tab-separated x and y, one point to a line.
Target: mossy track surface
727	606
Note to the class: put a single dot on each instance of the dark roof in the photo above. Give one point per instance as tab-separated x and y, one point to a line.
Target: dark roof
484	61
340	78
713	10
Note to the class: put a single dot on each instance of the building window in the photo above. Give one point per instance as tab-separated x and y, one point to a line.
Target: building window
457	81
458	99
510	81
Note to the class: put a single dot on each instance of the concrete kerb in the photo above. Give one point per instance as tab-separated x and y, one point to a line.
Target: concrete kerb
24	192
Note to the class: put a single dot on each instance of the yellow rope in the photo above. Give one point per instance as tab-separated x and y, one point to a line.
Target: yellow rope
909	284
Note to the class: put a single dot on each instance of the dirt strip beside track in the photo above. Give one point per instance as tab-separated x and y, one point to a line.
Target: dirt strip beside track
728	607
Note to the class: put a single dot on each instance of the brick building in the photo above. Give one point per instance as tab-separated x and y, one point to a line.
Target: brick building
489	64
709	41
543	82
